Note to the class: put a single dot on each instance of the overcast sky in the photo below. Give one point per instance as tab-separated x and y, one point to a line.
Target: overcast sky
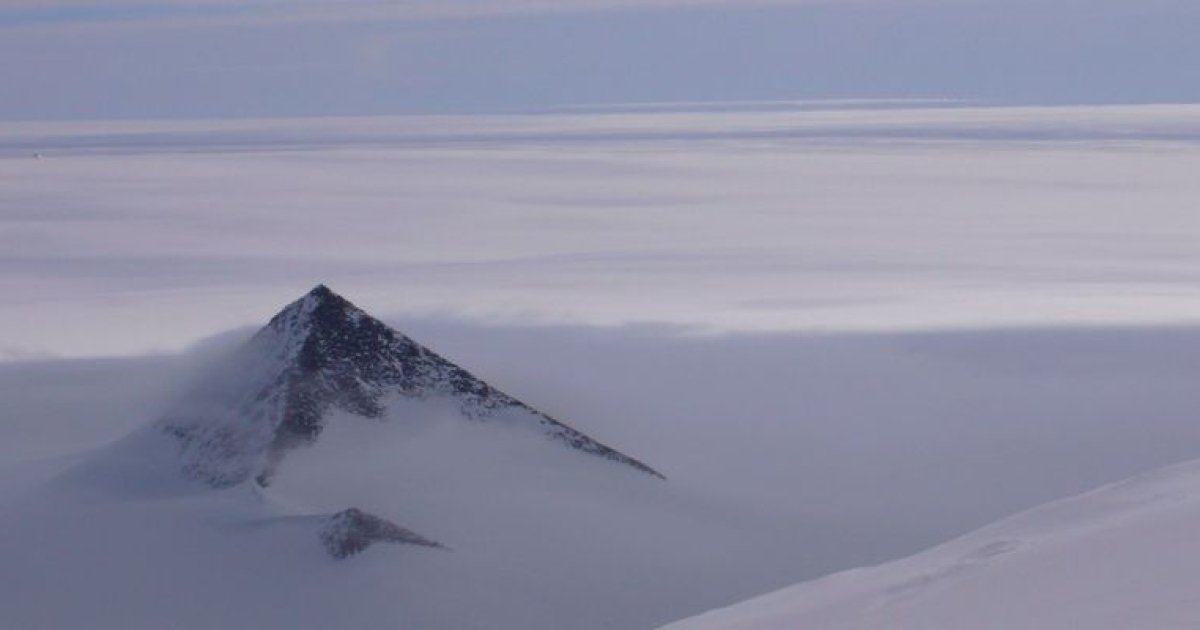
219	58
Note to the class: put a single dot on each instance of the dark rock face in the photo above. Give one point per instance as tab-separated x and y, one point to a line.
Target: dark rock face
322	353
351	531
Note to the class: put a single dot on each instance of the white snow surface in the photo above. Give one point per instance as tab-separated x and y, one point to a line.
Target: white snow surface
1120	557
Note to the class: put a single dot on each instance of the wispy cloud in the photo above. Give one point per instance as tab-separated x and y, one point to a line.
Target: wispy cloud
76	13
18	13
204	58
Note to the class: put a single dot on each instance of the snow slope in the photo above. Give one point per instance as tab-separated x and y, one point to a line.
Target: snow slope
1120	557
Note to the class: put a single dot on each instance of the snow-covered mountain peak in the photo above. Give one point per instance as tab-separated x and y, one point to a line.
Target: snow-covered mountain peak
315	320
321	354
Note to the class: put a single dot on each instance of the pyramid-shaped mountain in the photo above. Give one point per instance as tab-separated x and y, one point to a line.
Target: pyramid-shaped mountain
319	355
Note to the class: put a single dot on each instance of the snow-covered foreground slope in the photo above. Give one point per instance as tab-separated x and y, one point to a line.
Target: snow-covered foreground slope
1120	557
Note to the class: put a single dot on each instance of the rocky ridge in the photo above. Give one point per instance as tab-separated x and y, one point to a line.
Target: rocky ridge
320	354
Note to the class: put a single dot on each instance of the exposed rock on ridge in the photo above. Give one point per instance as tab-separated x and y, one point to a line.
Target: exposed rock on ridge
319	354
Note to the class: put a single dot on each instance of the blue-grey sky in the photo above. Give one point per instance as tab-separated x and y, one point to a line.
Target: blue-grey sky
170	59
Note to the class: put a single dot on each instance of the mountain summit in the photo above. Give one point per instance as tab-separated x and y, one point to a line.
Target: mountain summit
319	355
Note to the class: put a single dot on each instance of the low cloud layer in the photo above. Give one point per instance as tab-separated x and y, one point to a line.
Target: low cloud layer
140	237
787	456
213	11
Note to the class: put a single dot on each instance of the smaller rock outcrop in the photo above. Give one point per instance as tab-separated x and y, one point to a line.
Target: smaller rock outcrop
351	531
